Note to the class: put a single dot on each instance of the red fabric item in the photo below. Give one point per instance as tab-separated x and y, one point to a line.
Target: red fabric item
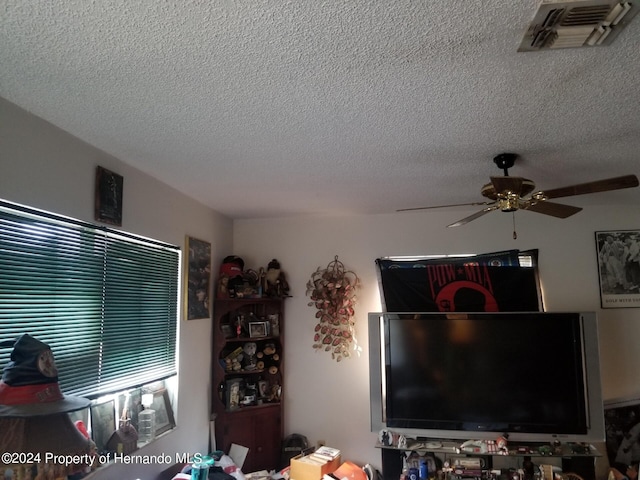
25	394
230	270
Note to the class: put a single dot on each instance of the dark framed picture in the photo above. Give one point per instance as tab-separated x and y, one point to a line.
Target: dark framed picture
258	329
622	432
227	331
618	254
103	423
108	197
198	279
165	420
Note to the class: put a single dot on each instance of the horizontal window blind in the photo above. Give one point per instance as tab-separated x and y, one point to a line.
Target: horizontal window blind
105	301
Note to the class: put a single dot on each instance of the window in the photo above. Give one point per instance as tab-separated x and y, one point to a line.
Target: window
105	301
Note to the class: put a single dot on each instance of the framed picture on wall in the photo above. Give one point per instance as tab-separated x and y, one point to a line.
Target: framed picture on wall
622	430
108	197
198	279
618	255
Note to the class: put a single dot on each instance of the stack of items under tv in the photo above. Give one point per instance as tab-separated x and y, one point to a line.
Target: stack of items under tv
324	463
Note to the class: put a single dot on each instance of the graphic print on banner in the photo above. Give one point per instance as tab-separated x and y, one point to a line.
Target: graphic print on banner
492	282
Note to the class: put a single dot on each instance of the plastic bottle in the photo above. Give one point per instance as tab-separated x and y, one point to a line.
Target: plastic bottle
405	470
424	469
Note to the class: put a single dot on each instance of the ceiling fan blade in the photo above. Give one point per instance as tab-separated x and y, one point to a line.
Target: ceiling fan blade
557	210
616	183
507	184
445	206
479	214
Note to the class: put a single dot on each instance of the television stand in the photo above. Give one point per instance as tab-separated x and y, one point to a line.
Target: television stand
577	458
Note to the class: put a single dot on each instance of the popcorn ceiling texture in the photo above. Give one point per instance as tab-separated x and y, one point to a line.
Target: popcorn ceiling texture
271	108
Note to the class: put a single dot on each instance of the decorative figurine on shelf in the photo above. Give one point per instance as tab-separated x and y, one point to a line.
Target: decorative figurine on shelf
249	357
276	393
498	446
268	359
250	394
223	287
262	281
241	326
232	267
501	443
125	439
276	283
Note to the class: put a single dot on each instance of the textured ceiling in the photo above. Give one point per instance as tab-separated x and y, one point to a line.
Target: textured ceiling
264	108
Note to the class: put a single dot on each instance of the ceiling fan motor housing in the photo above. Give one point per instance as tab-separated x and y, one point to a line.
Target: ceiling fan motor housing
505	161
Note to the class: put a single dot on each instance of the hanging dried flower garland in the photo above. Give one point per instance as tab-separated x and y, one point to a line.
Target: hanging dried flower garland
333	292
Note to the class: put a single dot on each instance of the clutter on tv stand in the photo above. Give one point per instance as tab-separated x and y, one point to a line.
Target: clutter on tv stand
478	458
498	446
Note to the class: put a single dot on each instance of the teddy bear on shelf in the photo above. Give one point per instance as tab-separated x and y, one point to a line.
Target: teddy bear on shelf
249	357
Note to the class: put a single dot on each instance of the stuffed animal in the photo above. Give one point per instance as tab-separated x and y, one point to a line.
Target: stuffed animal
249	357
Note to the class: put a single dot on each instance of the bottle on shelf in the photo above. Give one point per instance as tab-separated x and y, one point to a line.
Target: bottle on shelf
147	420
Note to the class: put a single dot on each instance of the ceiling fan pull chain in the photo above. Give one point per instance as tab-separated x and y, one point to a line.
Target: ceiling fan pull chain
515	234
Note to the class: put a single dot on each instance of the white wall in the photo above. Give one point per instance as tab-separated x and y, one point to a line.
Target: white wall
44	167
326	400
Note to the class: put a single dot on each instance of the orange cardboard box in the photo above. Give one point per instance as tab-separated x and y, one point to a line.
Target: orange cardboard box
306	468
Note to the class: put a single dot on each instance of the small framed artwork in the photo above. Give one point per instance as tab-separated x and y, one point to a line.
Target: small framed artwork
618	255
103	423
165	420
198	279
233	394
108	197
258	329
263	389
622	430
227	331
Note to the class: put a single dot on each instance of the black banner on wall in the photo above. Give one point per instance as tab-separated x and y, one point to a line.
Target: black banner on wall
492	282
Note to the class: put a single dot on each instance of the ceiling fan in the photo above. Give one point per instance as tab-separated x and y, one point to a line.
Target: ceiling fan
509	194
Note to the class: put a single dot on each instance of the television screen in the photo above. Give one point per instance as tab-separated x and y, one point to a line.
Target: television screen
516	373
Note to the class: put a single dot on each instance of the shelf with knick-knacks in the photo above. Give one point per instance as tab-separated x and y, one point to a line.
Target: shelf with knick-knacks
247	375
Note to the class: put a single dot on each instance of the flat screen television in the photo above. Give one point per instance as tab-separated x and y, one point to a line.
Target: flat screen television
534	376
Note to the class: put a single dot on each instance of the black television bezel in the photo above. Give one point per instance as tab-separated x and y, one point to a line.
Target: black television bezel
592	381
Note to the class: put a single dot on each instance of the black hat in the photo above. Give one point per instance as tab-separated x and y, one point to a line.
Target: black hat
29	385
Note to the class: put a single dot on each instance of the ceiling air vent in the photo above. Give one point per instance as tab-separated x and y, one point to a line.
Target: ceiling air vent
577	23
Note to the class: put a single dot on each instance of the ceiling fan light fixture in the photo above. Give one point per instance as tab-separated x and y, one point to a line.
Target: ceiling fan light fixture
509	202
